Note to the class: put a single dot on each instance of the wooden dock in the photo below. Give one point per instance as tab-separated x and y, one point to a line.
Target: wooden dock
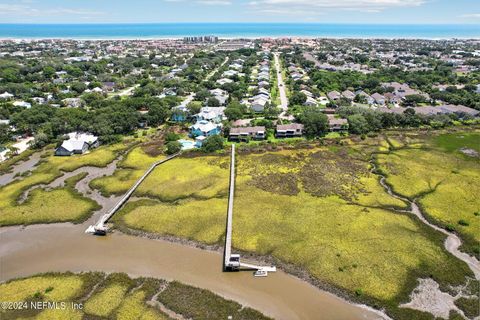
232	261
228	264
100	225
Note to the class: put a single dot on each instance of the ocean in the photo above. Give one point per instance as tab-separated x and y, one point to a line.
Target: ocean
236	30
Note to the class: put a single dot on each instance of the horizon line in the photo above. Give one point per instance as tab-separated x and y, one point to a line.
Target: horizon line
245	22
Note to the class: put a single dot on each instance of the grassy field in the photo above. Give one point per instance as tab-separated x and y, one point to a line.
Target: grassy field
317	209
7	165
49	206
447	182
116	296
129	171
194	303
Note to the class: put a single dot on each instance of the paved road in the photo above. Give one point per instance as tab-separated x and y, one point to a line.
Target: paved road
281	89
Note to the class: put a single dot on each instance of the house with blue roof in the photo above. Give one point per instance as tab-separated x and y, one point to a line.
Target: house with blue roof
205	128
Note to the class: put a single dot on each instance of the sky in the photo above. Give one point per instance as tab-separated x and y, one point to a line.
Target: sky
309	11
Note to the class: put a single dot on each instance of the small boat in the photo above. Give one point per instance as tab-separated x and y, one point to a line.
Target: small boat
260	273
100	231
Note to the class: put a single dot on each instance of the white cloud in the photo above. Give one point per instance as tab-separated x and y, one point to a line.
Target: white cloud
215	2
471	16
25	10
316	6
207	2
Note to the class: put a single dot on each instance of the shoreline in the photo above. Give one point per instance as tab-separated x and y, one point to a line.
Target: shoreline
259	37
289	269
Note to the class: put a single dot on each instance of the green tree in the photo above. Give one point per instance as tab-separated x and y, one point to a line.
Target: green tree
358	124
213	102
157	114
173	147
297	98
194	107
314	121
213	143
78	87
48	72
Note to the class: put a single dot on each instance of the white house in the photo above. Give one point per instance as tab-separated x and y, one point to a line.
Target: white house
310	102
215	115
205	128
258	105
220	95
6	96
224	81
77	143
72	102
23	104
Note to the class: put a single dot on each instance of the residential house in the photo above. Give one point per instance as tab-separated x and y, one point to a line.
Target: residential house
379	99
72	102
205	128
247	133
296	76
263	91
307	93
224	81
212	114
179	114
310	102
22	104
263	84
6	96
230	73
337	124
221	95
39	100
236	66
108	86
334	96
347	94
258	104
77	143
367	97
289	130
392	98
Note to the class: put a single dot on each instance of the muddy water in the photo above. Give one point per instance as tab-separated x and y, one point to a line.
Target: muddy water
64	247
20	168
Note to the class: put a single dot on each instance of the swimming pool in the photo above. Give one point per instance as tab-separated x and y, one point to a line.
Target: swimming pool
187	144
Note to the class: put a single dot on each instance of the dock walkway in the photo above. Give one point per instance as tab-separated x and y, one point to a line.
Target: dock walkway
232	261
100	225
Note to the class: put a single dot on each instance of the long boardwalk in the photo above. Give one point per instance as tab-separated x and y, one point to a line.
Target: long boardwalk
100	225
228	237
232	261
